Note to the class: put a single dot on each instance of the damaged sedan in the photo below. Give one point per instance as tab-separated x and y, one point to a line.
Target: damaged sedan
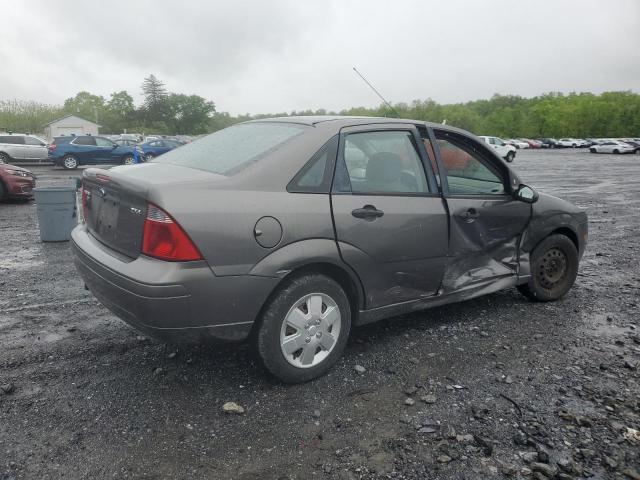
288	232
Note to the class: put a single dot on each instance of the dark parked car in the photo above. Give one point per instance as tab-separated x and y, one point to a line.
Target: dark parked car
69	152
154	148
15	182
548	142
289	231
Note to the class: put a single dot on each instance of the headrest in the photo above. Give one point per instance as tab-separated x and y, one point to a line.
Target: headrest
384	167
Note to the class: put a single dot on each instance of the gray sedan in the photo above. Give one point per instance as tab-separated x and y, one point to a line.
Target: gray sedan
287	232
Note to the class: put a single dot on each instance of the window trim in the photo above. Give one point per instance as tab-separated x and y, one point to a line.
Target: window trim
432	186
329	169
82	144
484	156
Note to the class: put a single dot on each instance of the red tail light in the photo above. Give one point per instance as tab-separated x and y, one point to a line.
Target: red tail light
163	238
52	147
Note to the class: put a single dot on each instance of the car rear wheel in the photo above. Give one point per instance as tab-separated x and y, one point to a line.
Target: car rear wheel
128	160
70	162
148	157
304	328
510	157
592	150
4	158
554	268
616	151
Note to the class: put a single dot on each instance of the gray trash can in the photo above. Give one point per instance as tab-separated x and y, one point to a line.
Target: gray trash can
57	212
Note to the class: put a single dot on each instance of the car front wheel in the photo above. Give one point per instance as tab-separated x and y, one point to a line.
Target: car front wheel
554	268
510	156
148	157
128	160
304	328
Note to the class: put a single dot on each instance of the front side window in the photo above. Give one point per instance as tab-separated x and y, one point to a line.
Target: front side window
103	142
12	140
84	141
467	172
383	162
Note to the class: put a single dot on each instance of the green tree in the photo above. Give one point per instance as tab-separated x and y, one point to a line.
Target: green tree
85	105
189	113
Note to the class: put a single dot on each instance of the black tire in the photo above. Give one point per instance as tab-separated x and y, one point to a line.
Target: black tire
69	162
510	156
616	152
3	191
592	150
267	336
554	268
148	157
128	160
4	158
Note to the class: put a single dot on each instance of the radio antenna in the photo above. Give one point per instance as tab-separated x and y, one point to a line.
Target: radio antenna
377	92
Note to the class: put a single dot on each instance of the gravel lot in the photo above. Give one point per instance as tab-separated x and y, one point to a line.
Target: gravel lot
493	387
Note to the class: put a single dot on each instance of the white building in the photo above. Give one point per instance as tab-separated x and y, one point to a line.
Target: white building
70	125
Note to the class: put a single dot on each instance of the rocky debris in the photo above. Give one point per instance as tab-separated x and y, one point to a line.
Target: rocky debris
544	468
409	401
232	407
444	459
360	369
158	371
7	388
428	399
410	390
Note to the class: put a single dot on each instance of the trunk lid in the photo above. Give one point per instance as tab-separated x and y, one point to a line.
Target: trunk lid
115	200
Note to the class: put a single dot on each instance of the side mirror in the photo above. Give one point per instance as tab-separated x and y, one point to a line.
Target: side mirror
115	145
526	194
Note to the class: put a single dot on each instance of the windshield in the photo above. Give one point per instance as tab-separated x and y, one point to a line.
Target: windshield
227	151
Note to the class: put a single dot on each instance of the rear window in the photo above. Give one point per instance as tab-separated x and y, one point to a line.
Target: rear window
61	140
232	149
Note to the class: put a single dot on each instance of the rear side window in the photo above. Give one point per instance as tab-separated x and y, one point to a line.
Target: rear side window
228	151
315	176
84	141
383	162
62	140
33	141
12	140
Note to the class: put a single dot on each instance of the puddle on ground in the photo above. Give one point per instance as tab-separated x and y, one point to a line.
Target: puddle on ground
597	325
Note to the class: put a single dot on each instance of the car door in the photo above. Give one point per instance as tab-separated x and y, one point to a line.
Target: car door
84	148
486	221
104	149
390	221
35	149
16	147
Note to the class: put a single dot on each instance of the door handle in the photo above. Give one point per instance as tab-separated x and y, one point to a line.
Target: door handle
469	215
368	212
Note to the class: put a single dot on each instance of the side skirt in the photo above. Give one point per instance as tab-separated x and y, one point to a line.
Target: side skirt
472	291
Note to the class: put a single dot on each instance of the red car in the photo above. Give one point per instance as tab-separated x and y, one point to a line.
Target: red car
16	182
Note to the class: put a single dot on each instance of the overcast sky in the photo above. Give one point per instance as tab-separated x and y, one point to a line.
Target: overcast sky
283	55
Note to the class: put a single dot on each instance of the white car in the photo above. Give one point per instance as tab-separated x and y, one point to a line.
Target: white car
508	152
518	143
613	146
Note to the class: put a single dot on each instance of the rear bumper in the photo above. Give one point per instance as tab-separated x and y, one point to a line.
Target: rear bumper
171	301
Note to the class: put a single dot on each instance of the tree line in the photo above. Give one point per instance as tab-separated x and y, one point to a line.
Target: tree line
609	114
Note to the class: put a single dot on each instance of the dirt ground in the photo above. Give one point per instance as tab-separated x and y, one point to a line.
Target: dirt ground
494	387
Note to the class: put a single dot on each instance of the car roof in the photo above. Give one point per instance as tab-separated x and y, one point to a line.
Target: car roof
339	121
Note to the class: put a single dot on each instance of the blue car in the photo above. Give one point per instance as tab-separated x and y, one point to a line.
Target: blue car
69	152
154	148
